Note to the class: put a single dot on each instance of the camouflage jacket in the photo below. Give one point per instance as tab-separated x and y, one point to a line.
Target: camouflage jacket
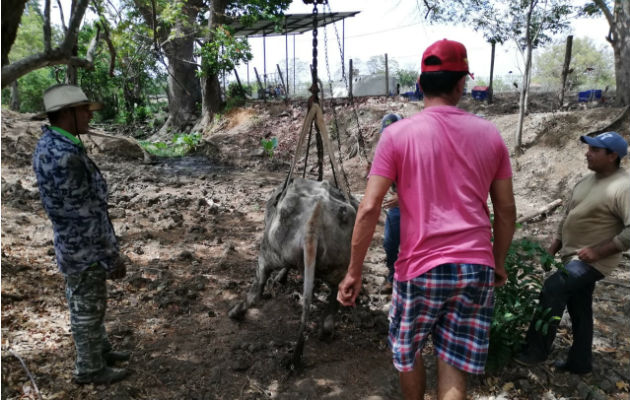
74	194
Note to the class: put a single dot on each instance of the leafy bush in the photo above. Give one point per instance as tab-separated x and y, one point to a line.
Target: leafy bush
181	145
517	302
269	146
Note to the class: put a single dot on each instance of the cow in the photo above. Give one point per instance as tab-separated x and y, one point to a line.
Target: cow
308	225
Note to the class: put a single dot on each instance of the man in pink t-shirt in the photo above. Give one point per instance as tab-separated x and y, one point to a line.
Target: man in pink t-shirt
444	162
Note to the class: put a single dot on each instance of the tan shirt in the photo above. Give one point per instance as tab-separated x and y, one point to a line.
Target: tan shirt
599	210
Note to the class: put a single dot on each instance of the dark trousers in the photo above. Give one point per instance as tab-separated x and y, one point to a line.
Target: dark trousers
391	240
572	289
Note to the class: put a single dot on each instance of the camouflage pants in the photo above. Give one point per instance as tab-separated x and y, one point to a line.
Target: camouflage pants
86	293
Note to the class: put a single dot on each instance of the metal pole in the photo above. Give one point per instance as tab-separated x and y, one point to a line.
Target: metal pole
490	89
350	79
294	87
386	77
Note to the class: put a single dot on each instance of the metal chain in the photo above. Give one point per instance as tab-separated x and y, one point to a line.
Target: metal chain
360	140
314	89
332	105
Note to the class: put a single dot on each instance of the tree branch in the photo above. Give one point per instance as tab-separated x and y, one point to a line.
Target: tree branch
72	34
604	8
47	45
112	50
63	20
13	71
93	45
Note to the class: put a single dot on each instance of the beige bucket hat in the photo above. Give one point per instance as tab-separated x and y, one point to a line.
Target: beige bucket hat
65	95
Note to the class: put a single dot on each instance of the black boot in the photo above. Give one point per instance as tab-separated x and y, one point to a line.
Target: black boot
103	377
112	357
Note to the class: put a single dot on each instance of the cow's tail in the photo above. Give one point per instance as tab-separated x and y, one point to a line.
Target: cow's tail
311	234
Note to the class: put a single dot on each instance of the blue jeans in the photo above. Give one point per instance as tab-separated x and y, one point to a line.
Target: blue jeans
573	290
391	240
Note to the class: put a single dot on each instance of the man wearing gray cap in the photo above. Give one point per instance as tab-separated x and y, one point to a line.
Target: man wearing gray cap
590	239
74	195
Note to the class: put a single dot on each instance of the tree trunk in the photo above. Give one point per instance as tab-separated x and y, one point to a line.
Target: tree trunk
15	96
12	11
621	49
619	39
183	84
184	90
525	84
565	68
490	88
211	89
59	55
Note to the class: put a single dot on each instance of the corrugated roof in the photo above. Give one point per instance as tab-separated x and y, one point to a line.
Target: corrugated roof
293	24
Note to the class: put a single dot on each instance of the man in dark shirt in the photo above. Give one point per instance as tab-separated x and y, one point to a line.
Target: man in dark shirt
74	195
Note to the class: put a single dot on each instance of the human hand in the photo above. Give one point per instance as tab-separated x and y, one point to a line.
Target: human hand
588	255
348	290
500	276
391	202
120	268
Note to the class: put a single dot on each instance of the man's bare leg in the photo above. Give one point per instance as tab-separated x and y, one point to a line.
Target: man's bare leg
451	382
413	383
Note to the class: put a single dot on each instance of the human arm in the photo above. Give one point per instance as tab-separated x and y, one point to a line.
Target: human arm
367	217
555	246
502	197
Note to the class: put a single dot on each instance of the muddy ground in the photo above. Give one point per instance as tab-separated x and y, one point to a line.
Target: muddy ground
191	228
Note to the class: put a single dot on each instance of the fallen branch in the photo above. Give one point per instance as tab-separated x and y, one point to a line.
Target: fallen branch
539	212
609	281
27	373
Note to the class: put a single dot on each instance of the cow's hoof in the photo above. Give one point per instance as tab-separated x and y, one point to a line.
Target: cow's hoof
237	312
327	329
292	363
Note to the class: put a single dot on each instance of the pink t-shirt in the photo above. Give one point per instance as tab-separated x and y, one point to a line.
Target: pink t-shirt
443	161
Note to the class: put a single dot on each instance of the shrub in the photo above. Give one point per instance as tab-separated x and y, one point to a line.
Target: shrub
269	146
516	303
181	145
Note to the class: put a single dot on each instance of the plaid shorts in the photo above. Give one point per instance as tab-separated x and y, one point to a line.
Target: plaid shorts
452	302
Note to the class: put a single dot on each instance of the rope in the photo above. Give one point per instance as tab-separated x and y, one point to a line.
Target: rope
332	105
360	140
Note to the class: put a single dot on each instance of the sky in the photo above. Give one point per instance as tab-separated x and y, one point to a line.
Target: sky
395	27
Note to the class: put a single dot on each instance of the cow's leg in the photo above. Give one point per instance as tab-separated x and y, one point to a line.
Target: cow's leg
255	292
310	256
327	326
282	276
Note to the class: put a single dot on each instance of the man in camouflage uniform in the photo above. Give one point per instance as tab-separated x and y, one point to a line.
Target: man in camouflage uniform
74	195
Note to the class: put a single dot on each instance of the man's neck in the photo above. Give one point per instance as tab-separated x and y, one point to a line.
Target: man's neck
439	101
606	173
68	127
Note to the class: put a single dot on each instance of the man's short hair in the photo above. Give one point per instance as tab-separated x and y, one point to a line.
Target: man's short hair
439	83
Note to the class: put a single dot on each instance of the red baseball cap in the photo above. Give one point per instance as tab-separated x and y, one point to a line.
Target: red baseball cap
451	55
